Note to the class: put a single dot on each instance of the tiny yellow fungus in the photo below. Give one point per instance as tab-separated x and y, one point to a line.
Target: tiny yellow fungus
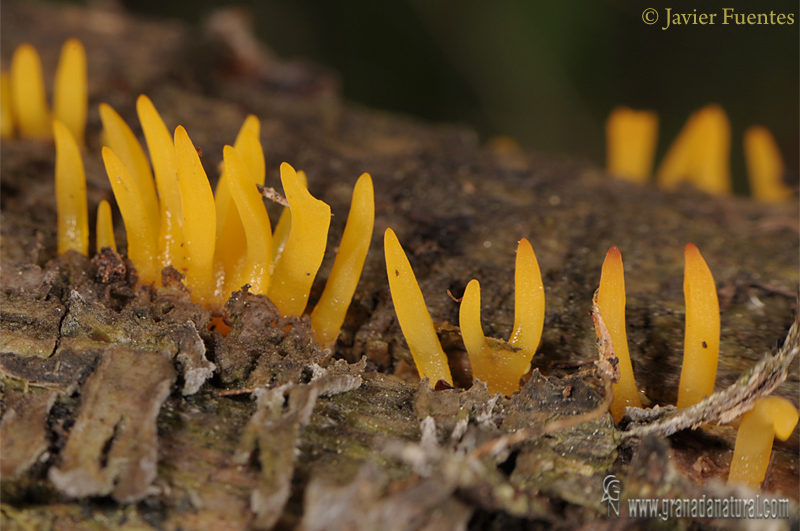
765	166
142	235
231	238
126	147
6	116
528	302
700	153
224	201
256	269
73	216
771	417
162	154
105	227
70	92
711	154
199	219
611	303
284	225
295	271
329	313
675	166
701	340
412	314
492	361
631	143
28	97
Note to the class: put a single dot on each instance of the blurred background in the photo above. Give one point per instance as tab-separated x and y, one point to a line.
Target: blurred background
542	72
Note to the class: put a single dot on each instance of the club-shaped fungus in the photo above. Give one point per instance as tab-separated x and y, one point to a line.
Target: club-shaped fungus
73	219
126	147
295	271
700	154
105	227
231	237
255	268
771	417
28	97
329	313
165	166
493	362
142	248
701	339
284	225
611	303
412	314
764	166
528	301
498	364
70	92
199	219
6	118
631	143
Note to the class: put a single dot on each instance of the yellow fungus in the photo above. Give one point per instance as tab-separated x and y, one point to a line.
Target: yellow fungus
6	116
162	154
711	154
124	144
256	268
231	238
224	201
765	166
284	224
105	227
611	303
329	313
29	101
528	302
675	166
412	314
199	219
493	362
631	143
295	271
701	341
700	154
498	364
771	417
73	216
142	235
70	92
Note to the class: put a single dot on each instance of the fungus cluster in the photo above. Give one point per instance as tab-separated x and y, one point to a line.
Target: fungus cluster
220	242
699	155
23	98
223	240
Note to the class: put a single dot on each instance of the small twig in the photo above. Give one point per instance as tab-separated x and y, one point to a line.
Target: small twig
235	392
774	289
272	195
457	299
724	406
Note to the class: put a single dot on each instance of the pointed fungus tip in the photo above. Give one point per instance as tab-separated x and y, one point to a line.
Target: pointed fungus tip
614	254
